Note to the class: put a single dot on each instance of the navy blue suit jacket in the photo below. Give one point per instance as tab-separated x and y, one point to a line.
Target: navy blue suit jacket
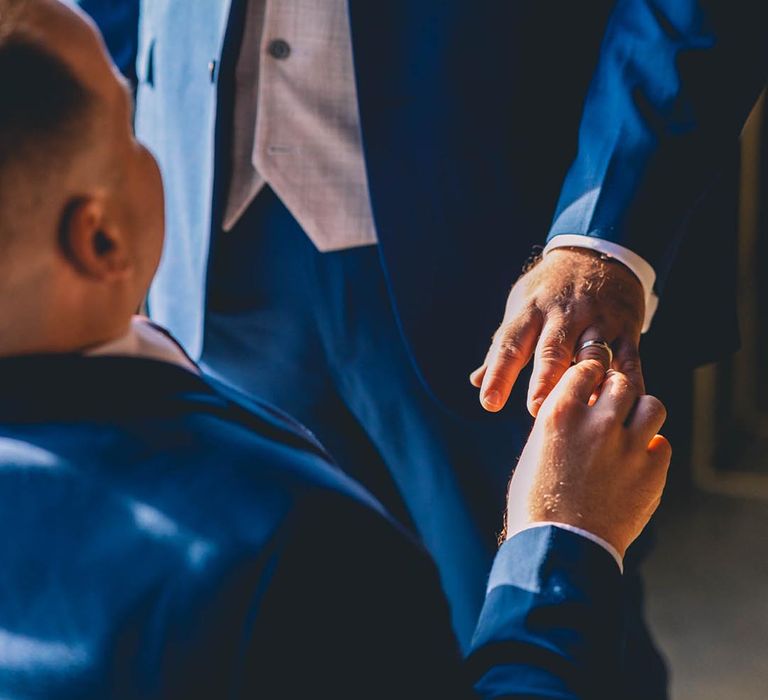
675	82
469	112
118	22
162	540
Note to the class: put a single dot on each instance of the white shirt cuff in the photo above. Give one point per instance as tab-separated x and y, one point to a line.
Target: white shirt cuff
607	546
641	267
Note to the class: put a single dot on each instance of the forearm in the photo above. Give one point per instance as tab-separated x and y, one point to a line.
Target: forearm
674	84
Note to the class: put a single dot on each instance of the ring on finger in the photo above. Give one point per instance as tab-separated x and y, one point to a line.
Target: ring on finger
595	344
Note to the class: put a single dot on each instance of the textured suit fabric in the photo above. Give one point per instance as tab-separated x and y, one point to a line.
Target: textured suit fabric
296	123
165	541
315	334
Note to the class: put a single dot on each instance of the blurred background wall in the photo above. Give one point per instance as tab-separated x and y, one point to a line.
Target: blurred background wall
707	576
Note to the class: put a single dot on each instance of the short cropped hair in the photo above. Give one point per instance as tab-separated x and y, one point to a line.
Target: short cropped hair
43	104
44	111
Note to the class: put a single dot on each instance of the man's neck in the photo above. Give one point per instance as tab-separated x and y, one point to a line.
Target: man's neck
144	339
31	337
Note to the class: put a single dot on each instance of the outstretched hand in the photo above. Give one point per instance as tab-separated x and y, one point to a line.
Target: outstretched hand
572	295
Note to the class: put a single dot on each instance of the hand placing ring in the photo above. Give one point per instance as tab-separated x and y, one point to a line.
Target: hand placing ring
605	354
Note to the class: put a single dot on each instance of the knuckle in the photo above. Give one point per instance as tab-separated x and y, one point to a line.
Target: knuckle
510	329
544	384
628	306
518	309
562	409
605	423
509	349
621	384
556	354
656	409
631	365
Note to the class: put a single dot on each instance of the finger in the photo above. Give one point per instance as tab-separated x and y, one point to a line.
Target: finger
627	361
617	396
579	382
511	350
647	418
596	352
554	353
661	450
476	378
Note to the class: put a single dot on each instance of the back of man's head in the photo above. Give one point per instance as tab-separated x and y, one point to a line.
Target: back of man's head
45	117
80	200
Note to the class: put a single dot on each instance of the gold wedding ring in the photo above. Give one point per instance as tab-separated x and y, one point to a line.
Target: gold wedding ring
595	344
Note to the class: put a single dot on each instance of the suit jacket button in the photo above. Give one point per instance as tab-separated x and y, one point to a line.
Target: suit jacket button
279	49
212	70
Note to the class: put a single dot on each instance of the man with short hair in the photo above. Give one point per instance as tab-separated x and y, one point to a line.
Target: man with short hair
173	542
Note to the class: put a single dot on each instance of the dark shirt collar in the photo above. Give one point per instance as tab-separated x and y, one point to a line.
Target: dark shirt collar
112	390
72	386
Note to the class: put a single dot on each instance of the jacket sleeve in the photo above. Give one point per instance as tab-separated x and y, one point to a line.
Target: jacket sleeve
674	84
551	626
353	608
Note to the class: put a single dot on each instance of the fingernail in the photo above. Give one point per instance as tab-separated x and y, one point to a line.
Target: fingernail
492	399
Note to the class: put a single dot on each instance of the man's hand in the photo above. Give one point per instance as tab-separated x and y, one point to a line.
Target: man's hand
572	295
600	467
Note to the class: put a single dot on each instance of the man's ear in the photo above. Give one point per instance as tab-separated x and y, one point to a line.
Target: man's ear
91	241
